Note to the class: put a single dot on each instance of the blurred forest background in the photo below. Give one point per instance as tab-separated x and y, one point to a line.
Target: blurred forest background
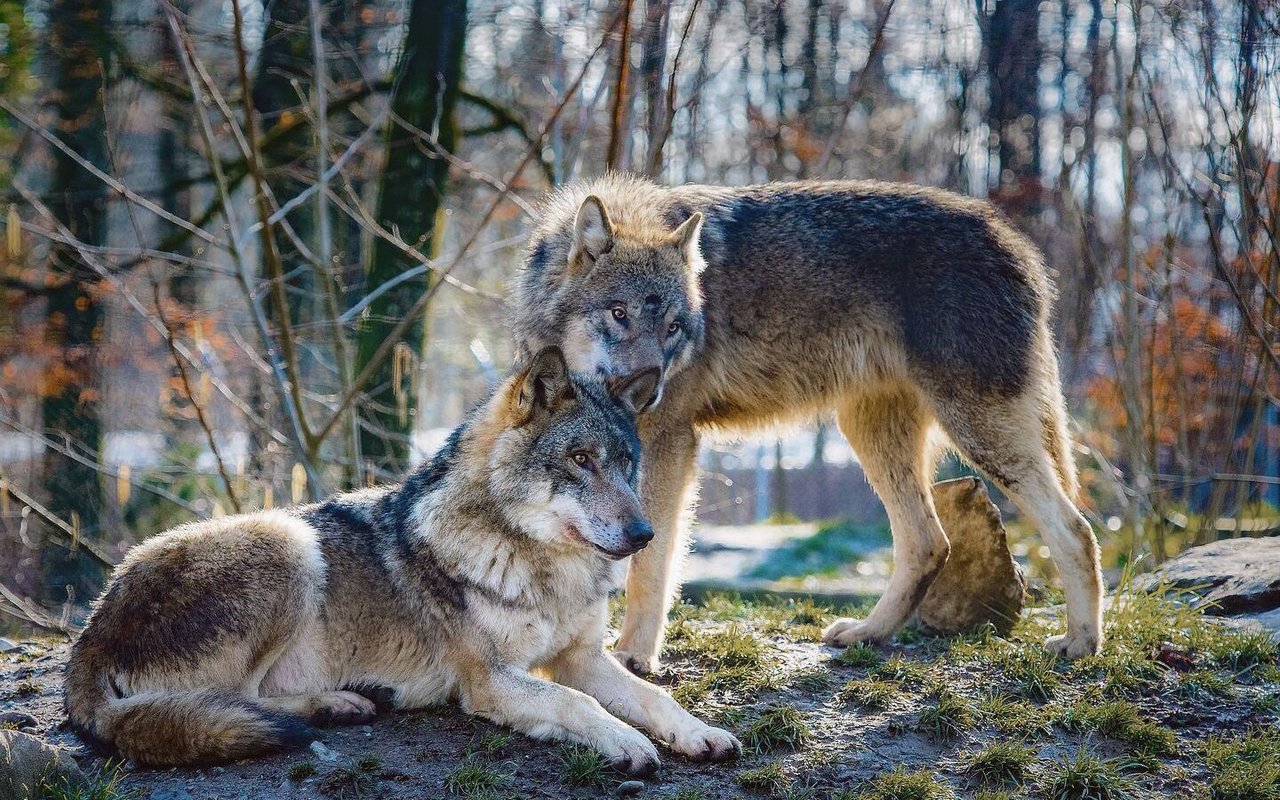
256	250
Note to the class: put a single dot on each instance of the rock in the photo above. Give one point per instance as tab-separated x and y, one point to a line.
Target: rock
980	582
1233	576
324	753
629	788
26	763
17	720
7	646
1268	621
171	793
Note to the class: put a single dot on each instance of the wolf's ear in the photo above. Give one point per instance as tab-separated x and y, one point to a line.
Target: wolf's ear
685	239
592	234
542	386
636	392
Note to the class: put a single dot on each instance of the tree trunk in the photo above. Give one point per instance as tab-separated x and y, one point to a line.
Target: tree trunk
80	52
1014	51
428	80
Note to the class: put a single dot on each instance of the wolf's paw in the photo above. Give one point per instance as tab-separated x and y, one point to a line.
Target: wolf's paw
383	697
706	743
1073	645
342	708
638	663
844	632
630	752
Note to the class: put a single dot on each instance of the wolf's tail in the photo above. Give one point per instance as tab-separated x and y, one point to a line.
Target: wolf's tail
198	726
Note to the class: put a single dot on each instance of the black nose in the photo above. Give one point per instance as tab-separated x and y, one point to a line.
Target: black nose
638	532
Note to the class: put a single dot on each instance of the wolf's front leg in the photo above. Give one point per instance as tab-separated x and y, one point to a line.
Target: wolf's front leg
667	487
641	703
545	710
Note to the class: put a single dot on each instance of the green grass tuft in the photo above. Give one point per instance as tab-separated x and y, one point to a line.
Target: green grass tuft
870	693
1001	763
301	771
769	779
949	716
1085	777
1120	719
777	727
861	656
900	784
1203	684
738	684
1244	767
100	787
473	779
583	766
814	679
907	673
1015	717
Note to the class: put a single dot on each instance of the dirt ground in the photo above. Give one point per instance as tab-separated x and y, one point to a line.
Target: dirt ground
915	719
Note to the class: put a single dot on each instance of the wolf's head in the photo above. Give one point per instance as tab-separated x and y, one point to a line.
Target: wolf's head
622	298
564	459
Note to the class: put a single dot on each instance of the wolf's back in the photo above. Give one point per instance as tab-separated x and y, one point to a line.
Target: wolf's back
199	726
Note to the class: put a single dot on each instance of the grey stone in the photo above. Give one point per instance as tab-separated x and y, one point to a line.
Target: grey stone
629	788
980	583
26	763
324	753
1233	576
18	720
7	646
171	793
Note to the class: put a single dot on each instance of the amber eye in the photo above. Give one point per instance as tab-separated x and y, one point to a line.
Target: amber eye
674	328
582	458
619	313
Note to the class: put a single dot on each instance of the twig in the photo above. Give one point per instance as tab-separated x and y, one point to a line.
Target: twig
169	340
74	537
104	177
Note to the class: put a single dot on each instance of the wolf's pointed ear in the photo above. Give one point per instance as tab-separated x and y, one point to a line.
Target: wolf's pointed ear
636	392
543	386
685	239
592	234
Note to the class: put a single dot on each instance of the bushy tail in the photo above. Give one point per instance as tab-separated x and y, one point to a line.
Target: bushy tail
200	726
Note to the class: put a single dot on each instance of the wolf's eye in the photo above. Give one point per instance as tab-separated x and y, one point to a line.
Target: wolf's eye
619	313
674	328
583	459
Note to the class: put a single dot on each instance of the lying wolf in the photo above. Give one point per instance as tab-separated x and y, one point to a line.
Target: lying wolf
919	317
224	639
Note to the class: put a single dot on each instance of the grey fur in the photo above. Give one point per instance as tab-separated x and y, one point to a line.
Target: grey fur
919	317
224	638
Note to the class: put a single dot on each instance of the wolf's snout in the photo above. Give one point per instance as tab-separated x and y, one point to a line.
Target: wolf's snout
638	533
640	389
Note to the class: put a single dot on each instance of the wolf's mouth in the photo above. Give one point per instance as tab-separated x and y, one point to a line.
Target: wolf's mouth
613	555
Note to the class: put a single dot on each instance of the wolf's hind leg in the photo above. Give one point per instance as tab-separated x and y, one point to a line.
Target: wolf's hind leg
1022	446
889	430
324	708
667	483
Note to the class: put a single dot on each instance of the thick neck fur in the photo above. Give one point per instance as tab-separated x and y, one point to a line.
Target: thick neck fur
455	531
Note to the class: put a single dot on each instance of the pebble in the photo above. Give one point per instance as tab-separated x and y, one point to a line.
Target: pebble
324	753
367	730
628	788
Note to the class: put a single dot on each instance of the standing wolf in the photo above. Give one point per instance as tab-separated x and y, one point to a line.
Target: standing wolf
222	639
919	317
